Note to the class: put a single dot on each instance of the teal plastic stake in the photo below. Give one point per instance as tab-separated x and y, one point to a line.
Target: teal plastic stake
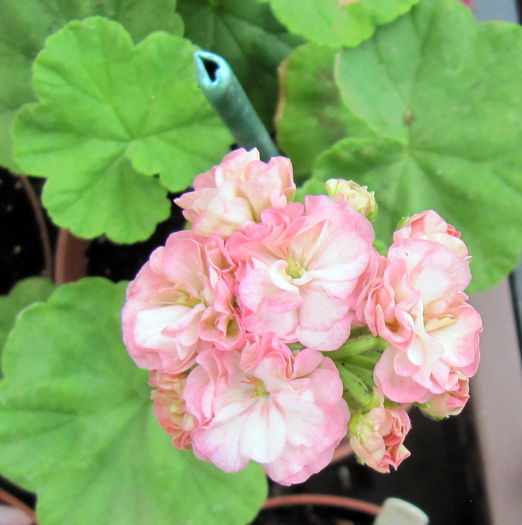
223	90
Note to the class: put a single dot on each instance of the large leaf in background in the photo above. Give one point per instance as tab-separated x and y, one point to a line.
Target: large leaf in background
105	102
444	94
24	26
77	425
248	36
25	292
338	22
311	116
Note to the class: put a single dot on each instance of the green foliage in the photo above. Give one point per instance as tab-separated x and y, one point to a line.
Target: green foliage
106	104
311	116
24	26
25	292
77	425
426	113
248	36
440	92
338	22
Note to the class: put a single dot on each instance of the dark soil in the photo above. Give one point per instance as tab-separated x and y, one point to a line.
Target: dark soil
21	252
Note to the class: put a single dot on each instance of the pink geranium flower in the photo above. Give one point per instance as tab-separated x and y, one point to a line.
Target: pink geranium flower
268	405
417	279
377	437
430	226
235	192
418	306
170	408
181	303
298	269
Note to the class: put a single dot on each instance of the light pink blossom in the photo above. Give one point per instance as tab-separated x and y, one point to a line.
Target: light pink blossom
170	408
418	306
430	226
418	279
298	269
181	303
377	437
267	405
235	192
450	403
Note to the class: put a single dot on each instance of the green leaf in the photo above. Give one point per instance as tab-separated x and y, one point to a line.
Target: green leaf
77	425
246	34
122	203
24	26
105	102
483	202
338	22
443	93
311	116
25	292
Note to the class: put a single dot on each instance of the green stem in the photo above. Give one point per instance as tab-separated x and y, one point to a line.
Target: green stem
357	392
357	345
225	93
367	360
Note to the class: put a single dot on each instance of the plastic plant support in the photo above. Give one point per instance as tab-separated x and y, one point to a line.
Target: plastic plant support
223	90
396	511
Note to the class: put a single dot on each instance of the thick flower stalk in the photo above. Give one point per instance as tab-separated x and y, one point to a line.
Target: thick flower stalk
269	321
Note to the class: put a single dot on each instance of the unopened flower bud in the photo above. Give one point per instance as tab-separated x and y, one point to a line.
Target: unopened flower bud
377	435
170	408
451	403
358	197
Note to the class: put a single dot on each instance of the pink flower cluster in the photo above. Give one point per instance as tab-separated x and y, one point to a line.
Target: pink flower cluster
414	299
216	315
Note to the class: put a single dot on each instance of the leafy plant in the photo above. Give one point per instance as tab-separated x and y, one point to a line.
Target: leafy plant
108	113
435	93
85	407
413	98
25	26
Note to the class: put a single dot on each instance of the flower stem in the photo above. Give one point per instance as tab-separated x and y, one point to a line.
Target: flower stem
357	391
357	345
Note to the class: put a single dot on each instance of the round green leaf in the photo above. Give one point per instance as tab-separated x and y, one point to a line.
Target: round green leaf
122	203
77	426
445	91
104	102
338	22
248	36
25	292
311	116
24	26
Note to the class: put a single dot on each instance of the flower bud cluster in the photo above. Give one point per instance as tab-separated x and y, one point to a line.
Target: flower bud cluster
216	315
